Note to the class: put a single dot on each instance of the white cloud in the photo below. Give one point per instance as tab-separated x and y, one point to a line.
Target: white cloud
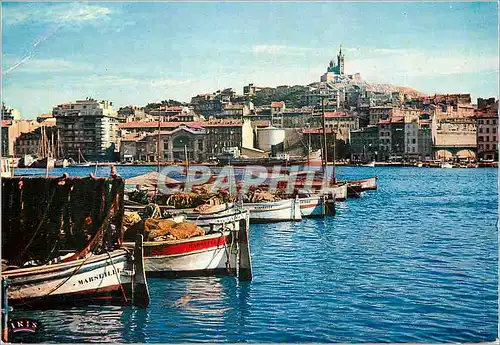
67	13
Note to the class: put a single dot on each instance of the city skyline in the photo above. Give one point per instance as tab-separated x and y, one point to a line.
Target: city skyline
135	53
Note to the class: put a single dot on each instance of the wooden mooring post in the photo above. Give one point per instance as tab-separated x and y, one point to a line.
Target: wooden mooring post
5	311
140	290
245	261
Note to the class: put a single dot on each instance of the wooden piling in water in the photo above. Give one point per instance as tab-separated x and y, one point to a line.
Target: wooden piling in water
140	291
5	311
245	261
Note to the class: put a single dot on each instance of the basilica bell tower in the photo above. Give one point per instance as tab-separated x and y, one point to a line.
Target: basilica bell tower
340	61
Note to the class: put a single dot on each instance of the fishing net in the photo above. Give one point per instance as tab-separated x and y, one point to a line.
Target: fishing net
43	218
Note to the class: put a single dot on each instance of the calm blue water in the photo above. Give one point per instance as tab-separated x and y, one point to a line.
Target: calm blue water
415	261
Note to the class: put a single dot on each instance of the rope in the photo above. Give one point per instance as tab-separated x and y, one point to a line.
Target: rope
228	262
118	277
63	282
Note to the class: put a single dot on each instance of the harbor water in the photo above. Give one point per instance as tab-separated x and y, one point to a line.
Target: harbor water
414	261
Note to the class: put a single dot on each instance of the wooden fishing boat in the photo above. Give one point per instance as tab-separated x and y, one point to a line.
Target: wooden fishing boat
217	252
338	191
366	184
446	165
98	278
312	206
44	163
83	261
274	211
370	165
316	205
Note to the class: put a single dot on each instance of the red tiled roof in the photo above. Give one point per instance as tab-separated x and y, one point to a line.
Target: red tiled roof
277	105
6	123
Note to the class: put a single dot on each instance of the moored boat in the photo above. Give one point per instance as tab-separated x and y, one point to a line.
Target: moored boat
446	165
366	184
312	205
70	249
274	211
215	245
98	278
45	163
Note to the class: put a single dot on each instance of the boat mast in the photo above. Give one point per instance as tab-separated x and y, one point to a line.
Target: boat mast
158	145
325	155
52	146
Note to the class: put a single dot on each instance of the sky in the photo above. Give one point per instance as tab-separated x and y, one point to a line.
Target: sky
133	53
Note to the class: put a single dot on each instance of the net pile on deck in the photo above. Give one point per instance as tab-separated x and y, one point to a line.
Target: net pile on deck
44	217
163	230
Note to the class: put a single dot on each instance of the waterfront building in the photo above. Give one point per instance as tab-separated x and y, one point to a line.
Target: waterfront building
487	129
18	127
29	143
392	138
411	133
365	144
425	139
453	131
89	128
203	139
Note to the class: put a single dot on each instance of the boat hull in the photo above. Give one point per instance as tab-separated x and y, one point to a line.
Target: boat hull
201	255
100	278
366	184
313	206
274	211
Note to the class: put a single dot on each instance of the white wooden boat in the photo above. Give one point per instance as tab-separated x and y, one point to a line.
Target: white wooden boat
337	192
312	206
200	255
446	166
366	184
218	252
97	278
274	211
371	164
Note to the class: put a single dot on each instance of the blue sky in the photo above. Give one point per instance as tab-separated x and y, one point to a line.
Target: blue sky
135	53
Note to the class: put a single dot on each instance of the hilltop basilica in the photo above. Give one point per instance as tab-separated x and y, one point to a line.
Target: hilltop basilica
335	72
